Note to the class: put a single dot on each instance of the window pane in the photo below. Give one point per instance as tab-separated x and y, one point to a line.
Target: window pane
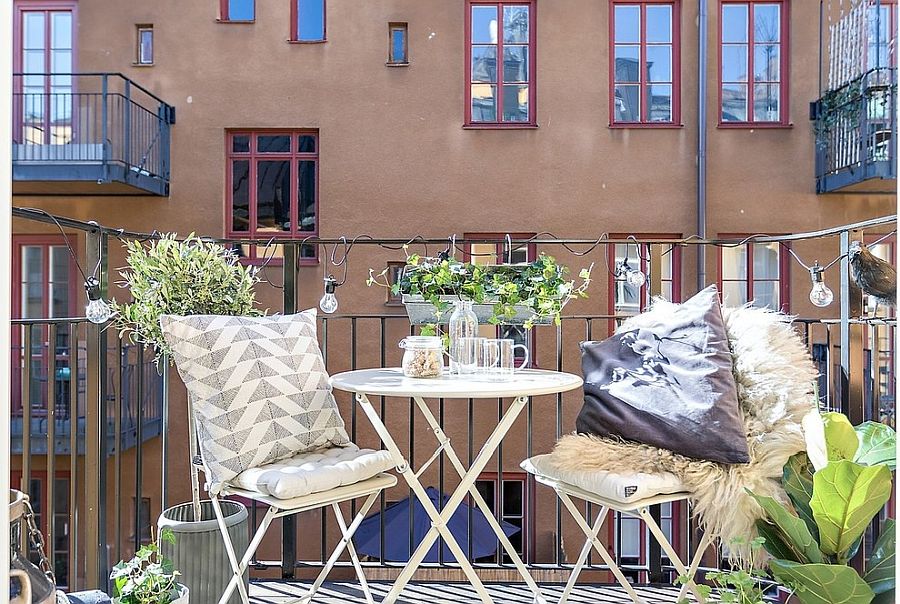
661	103
765	260
32	281
241	10
628	103
484	63
659	63
766	23
278	143
765	294
627	61
734	262
146	55
486	490
273	195
659	23
766	63
240	143
310	19
515	63
734	63
34	30
766	103
512	497
34	61
734	23
515	103
734	293
306	194
240	195
61	30
306	143
630	536
59	276
515	24
734	103
484	103
398	45
627	23
484	24
59	304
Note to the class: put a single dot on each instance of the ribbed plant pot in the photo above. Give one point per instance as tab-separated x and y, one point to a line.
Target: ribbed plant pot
199	552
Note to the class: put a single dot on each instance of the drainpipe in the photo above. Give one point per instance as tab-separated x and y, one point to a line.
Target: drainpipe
702	61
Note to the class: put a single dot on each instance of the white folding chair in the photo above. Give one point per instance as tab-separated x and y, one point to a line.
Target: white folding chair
638	509
369	488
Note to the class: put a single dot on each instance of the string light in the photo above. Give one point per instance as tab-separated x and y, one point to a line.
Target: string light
820	295
329	303
97	310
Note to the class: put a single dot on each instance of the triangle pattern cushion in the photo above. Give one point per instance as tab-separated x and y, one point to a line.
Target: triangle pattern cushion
258	386
666	380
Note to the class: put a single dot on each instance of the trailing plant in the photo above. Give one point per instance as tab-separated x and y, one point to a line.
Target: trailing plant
175	277
812	544
148	578
739	585
540	286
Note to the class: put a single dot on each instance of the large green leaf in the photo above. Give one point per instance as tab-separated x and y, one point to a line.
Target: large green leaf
822	583
773	541
880	569
877	445
846	496
793	530
797	481
840	437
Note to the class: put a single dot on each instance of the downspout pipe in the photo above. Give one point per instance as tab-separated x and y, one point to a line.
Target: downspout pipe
702	64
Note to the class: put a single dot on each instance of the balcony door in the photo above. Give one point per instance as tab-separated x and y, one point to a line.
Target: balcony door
44	37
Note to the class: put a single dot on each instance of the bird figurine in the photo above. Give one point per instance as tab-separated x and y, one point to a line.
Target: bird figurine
874	276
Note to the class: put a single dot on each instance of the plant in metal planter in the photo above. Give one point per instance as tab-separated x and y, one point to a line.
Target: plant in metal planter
811	546
173	277
148	578
524	294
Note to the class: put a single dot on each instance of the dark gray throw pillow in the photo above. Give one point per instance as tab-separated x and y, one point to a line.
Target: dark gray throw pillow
665	379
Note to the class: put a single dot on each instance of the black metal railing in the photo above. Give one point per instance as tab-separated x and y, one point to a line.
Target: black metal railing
856	131
100	127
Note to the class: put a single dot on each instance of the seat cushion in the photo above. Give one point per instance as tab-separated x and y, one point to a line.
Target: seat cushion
625	488
314	471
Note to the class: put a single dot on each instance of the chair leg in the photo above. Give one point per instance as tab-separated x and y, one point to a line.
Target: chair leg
598	545
660	537
354	557
238	568
582	557
695	563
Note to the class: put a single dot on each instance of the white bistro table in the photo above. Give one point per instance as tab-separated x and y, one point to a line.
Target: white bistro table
392	383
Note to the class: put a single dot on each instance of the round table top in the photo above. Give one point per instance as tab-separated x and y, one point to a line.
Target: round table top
391	382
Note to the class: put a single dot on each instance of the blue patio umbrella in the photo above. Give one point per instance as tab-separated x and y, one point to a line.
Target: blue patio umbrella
397	527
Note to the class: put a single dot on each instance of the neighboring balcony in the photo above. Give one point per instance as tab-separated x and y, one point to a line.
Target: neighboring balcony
89	134
856	135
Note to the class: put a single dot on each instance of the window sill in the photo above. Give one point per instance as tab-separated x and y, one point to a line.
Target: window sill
397	304
306	41
136	64
645	126
397	64
237	21
500	126
754	126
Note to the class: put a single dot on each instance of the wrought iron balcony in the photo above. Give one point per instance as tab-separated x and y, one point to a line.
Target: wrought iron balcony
856	135
89	134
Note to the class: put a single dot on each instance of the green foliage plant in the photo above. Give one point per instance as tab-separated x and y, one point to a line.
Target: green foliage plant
148	578
812	542
180	277
743	584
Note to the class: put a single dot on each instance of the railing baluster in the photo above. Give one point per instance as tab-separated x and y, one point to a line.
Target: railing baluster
50	510
118	402
72	417
137	406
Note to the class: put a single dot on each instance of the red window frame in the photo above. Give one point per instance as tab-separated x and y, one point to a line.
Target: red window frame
295	29
784	272
254	156
532	66
613	529
15	481
528	505
784	66
644	121
225	17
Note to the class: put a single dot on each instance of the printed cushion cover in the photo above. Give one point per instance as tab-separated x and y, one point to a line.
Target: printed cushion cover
259	388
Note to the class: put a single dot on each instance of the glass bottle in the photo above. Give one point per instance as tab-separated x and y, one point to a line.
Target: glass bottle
463	324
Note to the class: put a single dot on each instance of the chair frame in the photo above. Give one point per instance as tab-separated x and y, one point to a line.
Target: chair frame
637	509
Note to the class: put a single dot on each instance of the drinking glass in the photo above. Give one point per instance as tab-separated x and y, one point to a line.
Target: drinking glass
499	358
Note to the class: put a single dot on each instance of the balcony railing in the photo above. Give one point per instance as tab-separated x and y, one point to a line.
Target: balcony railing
91	133
856	135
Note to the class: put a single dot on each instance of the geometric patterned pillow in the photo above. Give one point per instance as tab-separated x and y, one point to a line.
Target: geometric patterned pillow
258	386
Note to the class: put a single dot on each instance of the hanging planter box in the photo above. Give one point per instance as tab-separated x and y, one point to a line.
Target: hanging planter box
421	312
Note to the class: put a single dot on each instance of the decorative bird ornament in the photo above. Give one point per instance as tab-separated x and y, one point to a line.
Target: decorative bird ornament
874	276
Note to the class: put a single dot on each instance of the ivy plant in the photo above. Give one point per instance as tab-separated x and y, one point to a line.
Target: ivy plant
148	578
743	584
169	276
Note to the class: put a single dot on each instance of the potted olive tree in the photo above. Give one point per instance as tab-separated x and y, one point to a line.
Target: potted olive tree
169	276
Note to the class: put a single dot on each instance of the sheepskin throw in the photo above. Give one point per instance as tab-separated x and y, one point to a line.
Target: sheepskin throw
775	377
668	383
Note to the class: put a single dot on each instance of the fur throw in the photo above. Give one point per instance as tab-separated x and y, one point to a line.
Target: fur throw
775	383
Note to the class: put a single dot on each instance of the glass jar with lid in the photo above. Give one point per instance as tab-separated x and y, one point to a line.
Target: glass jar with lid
423	356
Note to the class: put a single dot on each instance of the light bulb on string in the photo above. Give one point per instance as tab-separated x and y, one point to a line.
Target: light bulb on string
97	310
634	277
329	303
820	295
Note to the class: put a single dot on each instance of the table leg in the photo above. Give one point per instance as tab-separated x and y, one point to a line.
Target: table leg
438	523
480	503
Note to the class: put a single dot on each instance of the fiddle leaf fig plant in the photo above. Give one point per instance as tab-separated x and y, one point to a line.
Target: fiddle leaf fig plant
169	276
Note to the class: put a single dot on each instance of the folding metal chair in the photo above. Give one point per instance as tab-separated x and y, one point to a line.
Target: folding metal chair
638	509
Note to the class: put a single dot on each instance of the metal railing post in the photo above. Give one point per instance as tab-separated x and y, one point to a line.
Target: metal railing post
289	523
126	124
96	566
654	551
104	125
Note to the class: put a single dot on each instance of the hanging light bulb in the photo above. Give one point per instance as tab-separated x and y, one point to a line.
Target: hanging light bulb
329	303
634	277
97	310
820	295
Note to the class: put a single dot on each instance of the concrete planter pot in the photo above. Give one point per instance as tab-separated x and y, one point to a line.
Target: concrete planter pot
183	595
199	553
421	312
